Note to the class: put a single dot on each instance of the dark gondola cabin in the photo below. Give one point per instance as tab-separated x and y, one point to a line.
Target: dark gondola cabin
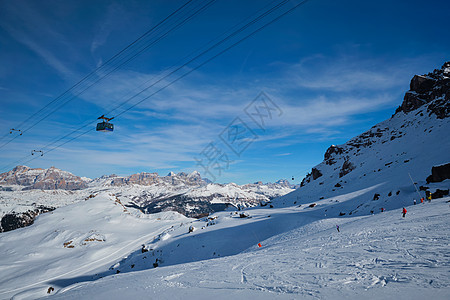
105	125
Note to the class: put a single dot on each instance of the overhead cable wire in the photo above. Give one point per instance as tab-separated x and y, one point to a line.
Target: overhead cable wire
159	24
122	63
224	50
177	24
209	59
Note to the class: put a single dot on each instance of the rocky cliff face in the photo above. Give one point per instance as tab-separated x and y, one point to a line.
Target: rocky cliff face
45	179
432	87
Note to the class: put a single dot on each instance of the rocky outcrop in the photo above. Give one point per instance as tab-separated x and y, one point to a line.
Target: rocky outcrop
45	179
347	167
433	88
184	204
315	173
330	154
439	173
13	221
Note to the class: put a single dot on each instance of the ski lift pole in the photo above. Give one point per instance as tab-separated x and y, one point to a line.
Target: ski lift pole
418	193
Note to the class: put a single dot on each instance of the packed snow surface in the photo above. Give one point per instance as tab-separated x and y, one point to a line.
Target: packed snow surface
302	255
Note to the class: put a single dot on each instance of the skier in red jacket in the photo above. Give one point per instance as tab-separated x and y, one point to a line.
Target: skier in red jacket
404	212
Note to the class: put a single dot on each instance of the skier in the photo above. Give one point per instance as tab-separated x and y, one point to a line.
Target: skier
404	212
382	209
337	227
414	201
421	200
428	193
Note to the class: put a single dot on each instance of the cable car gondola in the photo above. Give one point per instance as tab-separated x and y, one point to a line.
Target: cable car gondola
105	126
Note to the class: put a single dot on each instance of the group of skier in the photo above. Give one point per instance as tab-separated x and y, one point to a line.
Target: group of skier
404	211
427	195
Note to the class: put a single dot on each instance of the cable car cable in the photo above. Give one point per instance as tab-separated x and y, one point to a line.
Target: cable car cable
202	64
100	67
117	67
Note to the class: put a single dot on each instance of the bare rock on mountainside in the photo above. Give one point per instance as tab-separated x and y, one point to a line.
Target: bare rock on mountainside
439	173
13	220
45	179
347	167
332	151
424	89
315	173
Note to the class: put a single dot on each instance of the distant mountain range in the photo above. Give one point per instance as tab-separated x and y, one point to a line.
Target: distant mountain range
26	193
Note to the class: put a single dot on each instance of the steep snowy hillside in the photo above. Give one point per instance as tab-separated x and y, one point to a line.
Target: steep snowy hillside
387	156
20	208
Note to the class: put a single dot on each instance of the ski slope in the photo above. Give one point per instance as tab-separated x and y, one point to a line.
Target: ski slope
381	256
75	240
302	255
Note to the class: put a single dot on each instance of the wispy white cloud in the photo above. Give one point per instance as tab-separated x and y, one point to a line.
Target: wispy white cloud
346	73
114	12
192	112
283	154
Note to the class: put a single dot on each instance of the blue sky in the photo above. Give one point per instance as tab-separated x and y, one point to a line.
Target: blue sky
332	69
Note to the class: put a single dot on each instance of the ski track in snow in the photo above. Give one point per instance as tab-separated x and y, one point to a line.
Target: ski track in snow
105	260
46	267
380	256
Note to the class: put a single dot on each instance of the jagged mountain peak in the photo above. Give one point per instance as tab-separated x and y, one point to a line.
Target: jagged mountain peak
424	89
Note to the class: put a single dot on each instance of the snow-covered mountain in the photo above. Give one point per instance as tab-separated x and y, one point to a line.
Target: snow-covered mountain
45	179
25	193
146	179
389	156
341	235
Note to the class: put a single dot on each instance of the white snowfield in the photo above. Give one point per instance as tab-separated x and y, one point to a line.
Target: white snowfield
303	256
